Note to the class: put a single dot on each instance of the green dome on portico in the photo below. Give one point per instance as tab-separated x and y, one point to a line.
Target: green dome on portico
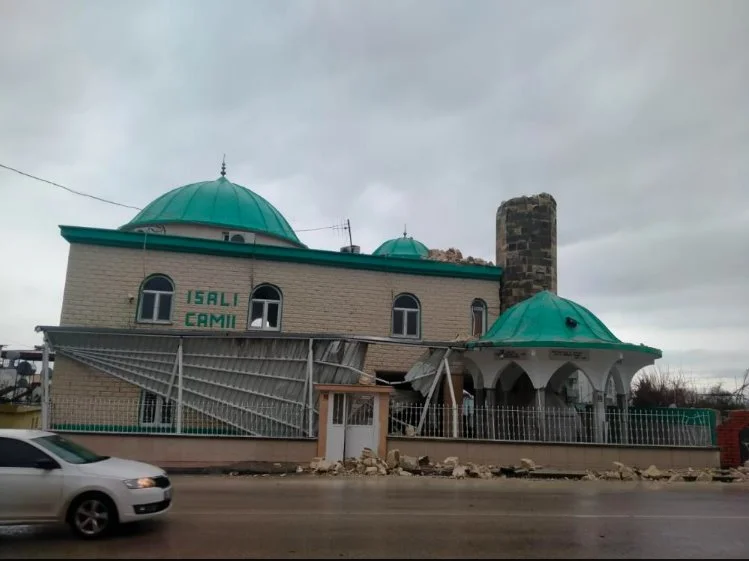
404	247
218	203
546	320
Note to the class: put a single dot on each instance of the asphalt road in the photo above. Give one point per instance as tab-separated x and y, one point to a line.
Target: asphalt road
398	517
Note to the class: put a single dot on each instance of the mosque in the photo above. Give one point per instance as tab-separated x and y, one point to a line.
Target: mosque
208	297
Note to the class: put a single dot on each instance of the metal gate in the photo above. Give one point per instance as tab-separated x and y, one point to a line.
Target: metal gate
352	425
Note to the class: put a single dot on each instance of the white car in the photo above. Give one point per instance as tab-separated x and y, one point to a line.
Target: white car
45	478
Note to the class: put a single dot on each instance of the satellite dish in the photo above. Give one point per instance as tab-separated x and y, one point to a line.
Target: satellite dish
25	368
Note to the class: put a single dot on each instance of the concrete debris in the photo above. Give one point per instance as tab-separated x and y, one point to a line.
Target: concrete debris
653	473
453	255
409	463
393	459
451	461
626	473
459	472
705	476
397	464
410	430
368	453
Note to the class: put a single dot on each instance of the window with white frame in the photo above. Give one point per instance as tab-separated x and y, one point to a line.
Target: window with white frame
155	411
478	317
265	308
156	299
406	320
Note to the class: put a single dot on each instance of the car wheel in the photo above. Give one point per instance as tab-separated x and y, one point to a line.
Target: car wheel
93	516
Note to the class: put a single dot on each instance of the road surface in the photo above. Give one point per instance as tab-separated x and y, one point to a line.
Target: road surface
399	517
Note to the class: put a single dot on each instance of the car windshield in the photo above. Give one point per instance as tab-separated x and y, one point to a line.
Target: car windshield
69	451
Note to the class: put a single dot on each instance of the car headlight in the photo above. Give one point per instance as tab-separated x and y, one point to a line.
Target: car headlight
142	483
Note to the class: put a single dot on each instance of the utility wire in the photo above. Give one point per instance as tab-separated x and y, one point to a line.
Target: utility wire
68	189
94	197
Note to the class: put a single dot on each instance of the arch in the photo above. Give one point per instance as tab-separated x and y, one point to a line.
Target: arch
616	377
266	308
478	317
562	374
474	371
406	316
155	299
237	238
508	376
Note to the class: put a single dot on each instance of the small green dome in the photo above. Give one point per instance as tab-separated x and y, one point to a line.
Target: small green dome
219	203
405	247
546	320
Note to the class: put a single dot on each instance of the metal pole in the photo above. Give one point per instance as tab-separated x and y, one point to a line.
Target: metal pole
45	387
180	384
452	396
310	369
437	378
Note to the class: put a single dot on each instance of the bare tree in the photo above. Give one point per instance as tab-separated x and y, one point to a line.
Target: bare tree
655	387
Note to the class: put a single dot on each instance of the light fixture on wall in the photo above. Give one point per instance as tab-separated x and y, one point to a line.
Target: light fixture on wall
130	298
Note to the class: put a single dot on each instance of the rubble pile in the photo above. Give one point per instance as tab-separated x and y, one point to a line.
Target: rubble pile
453	255
401	465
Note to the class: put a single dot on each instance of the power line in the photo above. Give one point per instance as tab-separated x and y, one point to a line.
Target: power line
68	189
100	199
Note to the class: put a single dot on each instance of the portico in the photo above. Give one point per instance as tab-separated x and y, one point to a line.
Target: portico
525	358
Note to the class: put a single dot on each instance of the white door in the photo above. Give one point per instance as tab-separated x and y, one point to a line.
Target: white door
361	424
28	492
336	427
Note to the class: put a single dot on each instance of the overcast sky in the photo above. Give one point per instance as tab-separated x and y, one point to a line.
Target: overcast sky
634	115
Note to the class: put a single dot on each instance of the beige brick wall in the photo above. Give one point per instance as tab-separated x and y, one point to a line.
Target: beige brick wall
315	298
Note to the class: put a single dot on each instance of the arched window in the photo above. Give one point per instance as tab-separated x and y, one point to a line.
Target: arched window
406	320
237	238
478	317
265	308
156	296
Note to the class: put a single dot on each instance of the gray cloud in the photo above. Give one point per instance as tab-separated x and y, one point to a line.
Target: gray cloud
632	114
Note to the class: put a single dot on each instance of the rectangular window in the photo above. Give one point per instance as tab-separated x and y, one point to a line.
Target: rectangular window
155	410
165	306
272	319
256	315
398	322
412	323
147	305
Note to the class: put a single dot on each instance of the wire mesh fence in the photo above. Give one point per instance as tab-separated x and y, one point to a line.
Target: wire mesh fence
152	414
562	425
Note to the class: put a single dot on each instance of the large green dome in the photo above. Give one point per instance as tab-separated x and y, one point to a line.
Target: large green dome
546	320
404	247
219	203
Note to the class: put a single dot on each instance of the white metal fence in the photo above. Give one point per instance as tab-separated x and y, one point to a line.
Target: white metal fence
570	425
151	414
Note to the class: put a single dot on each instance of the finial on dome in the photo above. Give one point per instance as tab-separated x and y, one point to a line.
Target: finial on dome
223	166
405	231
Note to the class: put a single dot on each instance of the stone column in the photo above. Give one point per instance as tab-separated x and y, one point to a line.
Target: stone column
541	414
622	402
491	411
479	413
599	417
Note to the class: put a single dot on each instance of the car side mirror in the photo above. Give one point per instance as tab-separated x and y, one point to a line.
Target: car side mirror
46	464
